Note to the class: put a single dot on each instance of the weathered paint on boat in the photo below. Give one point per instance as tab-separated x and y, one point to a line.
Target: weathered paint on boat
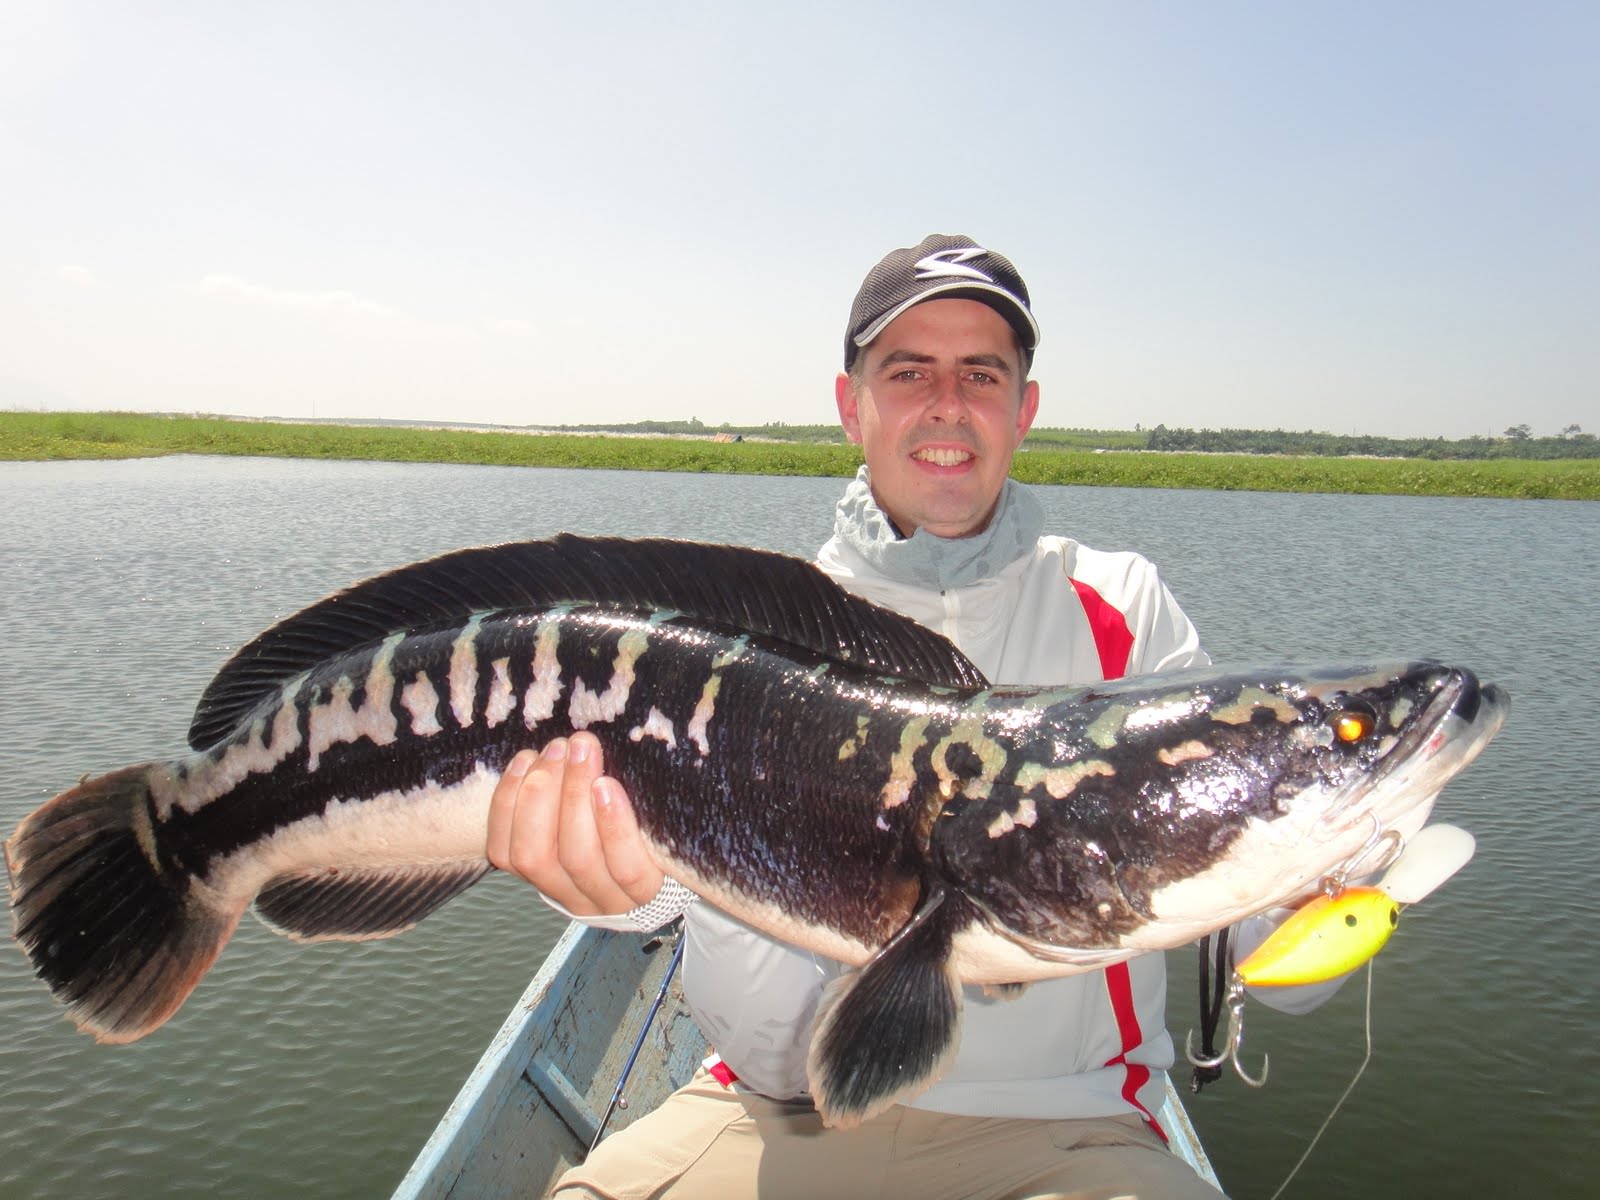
530	1108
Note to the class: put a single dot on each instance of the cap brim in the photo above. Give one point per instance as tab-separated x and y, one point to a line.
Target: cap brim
1016	313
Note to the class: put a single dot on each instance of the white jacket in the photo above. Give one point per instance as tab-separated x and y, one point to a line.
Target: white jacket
1087	1045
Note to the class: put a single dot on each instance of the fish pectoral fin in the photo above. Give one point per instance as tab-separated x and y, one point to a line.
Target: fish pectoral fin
888	1030
354	904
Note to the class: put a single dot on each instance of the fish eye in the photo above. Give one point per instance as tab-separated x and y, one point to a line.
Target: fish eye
1351	725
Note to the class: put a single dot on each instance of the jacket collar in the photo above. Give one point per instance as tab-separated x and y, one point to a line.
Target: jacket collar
927	560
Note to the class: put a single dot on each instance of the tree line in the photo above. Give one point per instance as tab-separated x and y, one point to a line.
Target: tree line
1517	442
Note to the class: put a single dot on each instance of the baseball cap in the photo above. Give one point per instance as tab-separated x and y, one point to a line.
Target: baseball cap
946	266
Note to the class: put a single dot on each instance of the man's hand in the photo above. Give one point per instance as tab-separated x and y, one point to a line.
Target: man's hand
560	824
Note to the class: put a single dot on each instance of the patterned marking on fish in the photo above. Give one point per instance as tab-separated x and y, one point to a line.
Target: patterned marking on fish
544	692
188	787
1026	814
1173	755
1250	703
967	760
463	676
335	721
848	748
1108	727
902	767
421	700
1163	710
502	701
1061	782
586	707
658	726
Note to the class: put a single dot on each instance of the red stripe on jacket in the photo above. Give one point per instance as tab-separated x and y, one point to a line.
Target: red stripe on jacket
1113	641
1112	638
1119	988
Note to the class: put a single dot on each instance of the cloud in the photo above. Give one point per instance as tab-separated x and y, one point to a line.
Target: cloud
514	327
334	303
347	312
77	276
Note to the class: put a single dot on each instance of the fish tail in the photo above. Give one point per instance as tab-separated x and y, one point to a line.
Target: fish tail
120	939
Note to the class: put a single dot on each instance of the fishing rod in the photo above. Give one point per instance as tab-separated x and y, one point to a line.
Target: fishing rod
617	1098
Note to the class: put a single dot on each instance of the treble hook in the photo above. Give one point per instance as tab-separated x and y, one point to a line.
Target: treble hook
1235	1040
1335	882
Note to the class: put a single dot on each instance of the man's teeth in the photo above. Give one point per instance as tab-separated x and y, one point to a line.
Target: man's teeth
943	458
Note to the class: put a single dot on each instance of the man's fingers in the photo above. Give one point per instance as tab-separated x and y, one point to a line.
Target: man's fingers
558	823
503	808
579	848
627	859
533	810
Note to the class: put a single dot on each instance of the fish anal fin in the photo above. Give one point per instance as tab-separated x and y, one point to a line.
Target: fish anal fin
354	904
887	1031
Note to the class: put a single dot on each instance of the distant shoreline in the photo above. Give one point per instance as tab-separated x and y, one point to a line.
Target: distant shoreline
48	436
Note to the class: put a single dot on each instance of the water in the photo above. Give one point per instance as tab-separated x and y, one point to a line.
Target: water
319	1070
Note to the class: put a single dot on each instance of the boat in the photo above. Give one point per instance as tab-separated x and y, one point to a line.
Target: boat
599	1038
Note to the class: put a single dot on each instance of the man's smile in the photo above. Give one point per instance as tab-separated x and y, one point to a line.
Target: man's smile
943	456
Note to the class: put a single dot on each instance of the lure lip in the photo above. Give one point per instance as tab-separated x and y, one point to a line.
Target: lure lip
1428	861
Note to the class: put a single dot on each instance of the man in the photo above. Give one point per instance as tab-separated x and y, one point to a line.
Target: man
1052	1092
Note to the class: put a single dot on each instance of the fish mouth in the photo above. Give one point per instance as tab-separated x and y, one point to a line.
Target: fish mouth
1458	722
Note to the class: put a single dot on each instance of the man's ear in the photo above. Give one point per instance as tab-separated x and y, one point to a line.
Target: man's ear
844	396
1028	409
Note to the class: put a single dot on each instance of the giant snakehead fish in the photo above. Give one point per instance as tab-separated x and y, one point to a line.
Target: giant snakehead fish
826	770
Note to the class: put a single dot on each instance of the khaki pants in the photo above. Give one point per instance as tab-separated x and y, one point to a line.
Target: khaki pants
707	1141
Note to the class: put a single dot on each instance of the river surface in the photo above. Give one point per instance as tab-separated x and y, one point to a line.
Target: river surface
319	1070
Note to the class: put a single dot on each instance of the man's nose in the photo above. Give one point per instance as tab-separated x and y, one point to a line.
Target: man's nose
947	402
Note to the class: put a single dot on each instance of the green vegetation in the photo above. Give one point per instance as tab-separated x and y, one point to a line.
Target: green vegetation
1516	442
1057	456
134	435
1571	479
773	430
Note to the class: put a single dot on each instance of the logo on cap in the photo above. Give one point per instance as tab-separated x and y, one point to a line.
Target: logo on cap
950	264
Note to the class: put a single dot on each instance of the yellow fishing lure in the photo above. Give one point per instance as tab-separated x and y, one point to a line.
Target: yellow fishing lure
1327	937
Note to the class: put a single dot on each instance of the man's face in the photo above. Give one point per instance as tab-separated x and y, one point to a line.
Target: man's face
938	409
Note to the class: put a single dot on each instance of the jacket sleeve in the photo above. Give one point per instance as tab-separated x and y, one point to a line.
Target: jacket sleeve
1164	639
670	903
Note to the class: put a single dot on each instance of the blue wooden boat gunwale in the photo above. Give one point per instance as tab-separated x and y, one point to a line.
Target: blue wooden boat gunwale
546	1083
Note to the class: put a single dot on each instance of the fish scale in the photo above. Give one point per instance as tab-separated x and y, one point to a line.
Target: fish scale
825	770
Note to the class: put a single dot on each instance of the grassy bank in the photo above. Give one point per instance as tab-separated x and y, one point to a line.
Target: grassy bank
43	436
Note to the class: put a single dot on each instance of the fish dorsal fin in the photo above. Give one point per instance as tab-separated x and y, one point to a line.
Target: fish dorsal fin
775	596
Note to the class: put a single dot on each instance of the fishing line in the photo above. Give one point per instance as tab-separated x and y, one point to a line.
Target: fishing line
1339	1103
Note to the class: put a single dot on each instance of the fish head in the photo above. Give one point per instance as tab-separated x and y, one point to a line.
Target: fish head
1146	813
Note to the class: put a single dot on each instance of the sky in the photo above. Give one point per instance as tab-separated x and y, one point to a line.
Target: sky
1353	216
